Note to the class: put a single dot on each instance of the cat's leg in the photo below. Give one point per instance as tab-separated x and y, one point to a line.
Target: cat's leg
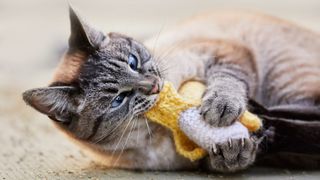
231	79
291	78
291	136
293	93
227	68
229	71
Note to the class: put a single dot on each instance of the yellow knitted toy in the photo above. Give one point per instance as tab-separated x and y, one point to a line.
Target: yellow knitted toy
176	112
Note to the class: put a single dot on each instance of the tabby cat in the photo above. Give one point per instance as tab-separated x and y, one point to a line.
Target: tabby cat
105	83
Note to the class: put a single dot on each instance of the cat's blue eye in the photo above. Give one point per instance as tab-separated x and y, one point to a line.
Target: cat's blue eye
133	62
119	100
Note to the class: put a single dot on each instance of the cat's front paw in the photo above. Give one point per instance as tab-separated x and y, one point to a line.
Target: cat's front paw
234	155
222	108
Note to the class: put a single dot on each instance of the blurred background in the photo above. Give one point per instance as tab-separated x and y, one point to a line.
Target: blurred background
33	36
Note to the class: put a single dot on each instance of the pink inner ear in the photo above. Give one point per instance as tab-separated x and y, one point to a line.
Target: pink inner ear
69	67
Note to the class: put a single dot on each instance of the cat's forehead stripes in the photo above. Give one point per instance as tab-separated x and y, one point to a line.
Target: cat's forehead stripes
115	46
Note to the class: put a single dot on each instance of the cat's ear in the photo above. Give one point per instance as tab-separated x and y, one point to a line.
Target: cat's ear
83	37
59	103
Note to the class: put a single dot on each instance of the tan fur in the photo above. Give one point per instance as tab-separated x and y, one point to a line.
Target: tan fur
68	69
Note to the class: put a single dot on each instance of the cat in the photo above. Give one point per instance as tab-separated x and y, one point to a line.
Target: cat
105	82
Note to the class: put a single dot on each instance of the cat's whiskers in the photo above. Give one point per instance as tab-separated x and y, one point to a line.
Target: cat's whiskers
128	136
161	65
138	134
111	134
116	128
149	130
165	70
161	68
156	40
168	51
160	59
124	131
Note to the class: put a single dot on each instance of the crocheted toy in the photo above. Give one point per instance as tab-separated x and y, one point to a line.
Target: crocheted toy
177	112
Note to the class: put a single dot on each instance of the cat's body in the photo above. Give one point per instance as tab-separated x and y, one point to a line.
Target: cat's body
238	55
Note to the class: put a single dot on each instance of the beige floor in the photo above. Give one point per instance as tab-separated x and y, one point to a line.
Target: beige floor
33	35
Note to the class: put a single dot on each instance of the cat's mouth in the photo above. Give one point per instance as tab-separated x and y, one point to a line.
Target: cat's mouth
151	86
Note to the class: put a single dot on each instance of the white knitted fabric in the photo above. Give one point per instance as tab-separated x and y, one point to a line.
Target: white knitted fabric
206	136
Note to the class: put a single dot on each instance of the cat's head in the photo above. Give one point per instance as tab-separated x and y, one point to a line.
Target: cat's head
102	83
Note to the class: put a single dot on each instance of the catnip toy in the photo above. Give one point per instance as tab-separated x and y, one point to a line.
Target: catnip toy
177	112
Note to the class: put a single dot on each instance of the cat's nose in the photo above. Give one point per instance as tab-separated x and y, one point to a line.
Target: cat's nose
150	85
155	89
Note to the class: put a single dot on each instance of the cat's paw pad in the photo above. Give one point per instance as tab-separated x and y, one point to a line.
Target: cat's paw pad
222	109
233	155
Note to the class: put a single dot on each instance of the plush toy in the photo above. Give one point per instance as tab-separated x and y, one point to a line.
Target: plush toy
178	113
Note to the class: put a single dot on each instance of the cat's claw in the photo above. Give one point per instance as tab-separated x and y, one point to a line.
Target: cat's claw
214	149
242	142
230	142
233	155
